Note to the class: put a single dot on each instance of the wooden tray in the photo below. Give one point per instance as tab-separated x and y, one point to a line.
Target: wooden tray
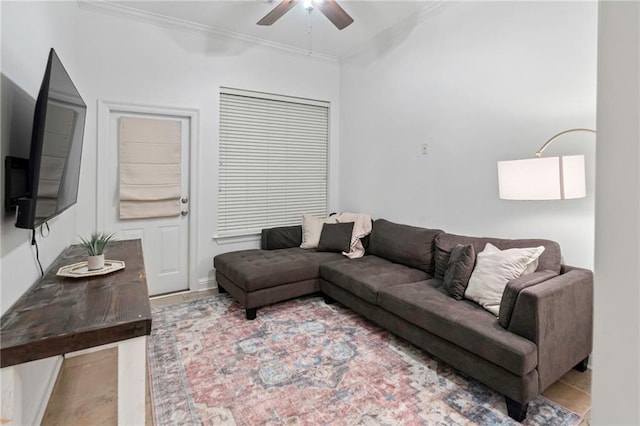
80	270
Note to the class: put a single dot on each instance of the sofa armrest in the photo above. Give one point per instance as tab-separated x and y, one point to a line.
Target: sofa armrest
557	315
513	289
281	237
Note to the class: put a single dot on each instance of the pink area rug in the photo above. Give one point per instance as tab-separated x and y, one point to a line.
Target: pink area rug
303	362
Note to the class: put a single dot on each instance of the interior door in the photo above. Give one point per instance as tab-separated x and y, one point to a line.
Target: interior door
165	240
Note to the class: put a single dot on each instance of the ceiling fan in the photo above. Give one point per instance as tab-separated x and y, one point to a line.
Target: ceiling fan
329	8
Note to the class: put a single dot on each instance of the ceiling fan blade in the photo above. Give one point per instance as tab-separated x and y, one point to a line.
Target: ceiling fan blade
277	12
334	13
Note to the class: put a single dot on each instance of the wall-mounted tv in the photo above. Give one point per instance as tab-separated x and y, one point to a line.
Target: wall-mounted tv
52	172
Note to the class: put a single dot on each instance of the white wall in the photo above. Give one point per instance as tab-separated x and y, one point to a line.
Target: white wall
616	366
24	58
129	60
478	82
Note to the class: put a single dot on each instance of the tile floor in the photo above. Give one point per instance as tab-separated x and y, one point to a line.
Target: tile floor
85	392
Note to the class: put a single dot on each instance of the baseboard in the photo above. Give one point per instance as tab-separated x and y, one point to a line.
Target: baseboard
208	283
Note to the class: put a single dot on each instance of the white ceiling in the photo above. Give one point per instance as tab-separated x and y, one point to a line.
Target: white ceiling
239	18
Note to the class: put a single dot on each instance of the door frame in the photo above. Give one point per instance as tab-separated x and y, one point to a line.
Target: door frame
105	109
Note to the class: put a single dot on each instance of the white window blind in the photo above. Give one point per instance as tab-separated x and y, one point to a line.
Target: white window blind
273	161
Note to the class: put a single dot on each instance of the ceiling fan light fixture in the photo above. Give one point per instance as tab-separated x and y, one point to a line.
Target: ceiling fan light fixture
308	5
329	8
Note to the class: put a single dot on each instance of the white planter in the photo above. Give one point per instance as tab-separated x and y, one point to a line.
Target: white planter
95	262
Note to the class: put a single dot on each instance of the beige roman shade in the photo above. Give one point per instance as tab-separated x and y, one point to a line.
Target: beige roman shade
150	167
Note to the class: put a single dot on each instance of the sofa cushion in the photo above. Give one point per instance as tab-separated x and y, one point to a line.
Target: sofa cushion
281	237
461	263
257	269
408	245
549	260
312	228
336	237
365	276
427	304
494	269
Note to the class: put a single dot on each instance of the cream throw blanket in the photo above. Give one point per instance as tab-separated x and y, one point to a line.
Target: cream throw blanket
361	228
150	167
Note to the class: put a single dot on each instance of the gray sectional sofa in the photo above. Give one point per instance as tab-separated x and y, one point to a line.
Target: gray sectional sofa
544	327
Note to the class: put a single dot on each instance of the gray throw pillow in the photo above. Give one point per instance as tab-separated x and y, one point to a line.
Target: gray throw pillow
461	262
281	237
335	237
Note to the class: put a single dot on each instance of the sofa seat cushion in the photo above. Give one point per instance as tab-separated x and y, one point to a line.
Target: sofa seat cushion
365	276
257	269
428	305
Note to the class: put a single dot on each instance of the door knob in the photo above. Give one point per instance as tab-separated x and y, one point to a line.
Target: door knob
184	200
184	212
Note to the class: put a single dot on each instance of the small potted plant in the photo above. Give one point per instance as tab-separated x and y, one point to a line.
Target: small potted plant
95	247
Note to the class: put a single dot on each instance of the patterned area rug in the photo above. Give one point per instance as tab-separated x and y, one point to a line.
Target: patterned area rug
307	363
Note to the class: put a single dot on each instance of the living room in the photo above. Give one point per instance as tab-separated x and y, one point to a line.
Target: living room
477	82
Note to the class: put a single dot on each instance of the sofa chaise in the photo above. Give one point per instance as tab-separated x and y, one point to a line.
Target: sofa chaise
544	326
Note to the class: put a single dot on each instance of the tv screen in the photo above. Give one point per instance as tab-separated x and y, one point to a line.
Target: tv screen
56	148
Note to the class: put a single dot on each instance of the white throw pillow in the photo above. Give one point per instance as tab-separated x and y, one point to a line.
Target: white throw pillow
494	269
311	230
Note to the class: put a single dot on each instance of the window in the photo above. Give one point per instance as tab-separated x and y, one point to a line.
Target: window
273	161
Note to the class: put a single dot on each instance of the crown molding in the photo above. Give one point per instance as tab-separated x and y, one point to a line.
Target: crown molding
387	34
101	6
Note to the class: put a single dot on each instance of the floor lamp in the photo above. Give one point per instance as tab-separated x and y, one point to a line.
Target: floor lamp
548	178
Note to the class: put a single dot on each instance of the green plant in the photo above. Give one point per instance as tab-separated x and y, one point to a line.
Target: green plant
97	243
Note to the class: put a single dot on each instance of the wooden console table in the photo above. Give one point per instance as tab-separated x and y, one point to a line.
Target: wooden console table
58	315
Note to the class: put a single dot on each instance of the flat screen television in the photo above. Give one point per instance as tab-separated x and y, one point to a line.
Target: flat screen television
53	168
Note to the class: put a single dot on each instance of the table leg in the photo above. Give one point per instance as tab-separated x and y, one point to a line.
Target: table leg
132	361
11	405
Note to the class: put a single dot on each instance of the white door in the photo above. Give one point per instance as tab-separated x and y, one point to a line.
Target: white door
165	240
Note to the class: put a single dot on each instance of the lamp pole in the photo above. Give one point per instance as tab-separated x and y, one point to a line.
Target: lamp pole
557	135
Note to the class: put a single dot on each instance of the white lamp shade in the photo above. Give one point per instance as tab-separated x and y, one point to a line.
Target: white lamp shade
549	178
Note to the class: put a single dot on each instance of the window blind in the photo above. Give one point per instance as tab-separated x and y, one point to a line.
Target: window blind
273	161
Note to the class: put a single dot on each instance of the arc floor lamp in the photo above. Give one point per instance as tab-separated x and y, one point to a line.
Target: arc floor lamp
548	178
